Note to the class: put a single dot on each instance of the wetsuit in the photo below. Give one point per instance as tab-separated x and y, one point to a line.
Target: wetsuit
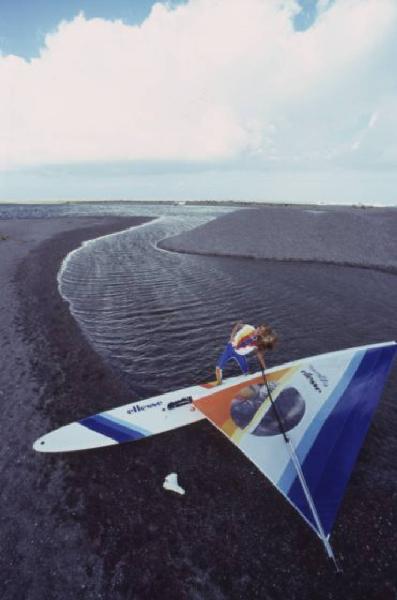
243	343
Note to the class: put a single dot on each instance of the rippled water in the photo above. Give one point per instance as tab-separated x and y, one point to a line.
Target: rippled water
153	314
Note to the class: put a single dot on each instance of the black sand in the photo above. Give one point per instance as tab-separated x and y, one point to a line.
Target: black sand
48	371
98	524
345	236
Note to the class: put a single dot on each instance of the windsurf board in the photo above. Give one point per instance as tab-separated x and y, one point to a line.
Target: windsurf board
133	421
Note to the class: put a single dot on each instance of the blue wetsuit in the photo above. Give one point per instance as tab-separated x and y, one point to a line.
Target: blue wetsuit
228	354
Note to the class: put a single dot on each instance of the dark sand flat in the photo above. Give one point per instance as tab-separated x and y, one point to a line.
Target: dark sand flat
339	235
47	370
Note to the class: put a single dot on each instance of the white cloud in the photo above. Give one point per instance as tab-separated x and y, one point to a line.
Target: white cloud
210	80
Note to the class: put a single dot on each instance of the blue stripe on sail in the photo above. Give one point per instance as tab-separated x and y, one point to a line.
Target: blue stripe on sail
331	458
117	430
305	444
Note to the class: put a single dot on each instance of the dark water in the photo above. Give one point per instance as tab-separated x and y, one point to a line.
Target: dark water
94	209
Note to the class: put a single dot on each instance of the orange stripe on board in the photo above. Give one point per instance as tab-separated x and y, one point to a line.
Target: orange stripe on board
216	406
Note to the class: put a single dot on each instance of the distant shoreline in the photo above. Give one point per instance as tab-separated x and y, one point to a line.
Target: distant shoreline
222	203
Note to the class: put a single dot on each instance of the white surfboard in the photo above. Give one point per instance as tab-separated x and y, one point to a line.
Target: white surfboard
133	421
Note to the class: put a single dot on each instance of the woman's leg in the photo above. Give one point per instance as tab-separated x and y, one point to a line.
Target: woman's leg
226	355
229	353
242	362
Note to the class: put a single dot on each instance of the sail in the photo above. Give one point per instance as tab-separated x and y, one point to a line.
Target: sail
325	404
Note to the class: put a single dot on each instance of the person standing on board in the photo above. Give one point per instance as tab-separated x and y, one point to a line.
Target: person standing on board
244	340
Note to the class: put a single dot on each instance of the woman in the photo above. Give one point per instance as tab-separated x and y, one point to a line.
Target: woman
244	340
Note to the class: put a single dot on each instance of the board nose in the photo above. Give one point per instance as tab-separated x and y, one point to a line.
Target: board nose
40	444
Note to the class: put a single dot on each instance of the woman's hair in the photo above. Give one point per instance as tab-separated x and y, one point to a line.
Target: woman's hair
267	339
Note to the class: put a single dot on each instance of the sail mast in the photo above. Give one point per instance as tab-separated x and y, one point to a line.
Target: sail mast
305	488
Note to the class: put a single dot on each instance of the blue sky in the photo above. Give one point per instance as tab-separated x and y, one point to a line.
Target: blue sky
263	100
24	23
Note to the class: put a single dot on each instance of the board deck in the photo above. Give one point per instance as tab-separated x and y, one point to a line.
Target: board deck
133	421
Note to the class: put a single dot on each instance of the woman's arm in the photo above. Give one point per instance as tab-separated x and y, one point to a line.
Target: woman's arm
235	329
260	355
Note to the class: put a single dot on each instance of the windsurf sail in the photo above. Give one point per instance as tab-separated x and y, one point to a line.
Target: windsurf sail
304	429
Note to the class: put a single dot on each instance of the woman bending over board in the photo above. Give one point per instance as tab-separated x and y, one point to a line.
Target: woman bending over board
244	340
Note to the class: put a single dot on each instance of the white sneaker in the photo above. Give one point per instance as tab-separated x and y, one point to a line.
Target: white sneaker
171	484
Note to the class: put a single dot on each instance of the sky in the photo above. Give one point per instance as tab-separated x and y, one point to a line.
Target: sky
257	100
